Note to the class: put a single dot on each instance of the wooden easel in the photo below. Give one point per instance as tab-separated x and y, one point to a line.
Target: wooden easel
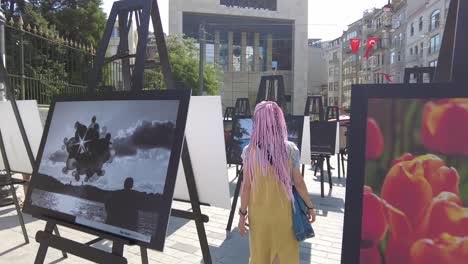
143	11
10	95
9	181
272	89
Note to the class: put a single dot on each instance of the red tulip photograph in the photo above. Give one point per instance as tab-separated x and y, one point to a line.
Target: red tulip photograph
415	202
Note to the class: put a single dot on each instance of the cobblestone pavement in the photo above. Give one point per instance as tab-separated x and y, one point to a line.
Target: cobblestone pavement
182	241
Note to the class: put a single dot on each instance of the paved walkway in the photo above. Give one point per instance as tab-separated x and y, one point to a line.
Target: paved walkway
182	240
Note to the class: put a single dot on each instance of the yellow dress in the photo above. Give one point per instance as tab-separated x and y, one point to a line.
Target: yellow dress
270	223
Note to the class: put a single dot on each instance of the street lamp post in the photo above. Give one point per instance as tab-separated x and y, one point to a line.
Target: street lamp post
2	50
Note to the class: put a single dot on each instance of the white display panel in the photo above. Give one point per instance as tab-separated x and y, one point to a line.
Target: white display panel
14	145
205	138
305	150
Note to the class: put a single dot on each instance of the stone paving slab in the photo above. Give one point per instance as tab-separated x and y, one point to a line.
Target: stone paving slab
182	246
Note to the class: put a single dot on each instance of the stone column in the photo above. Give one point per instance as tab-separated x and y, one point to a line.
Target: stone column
244	51
256	54
216	47
269	52
230	52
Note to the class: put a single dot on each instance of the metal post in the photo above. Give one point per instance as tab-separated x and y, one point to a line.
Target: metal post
201	72
2	50
23	86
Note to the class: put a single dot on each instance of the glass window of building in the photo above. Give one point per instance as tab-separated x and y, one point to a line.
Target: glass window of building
411	51
433	63
435	20
421	23
434	44
412	29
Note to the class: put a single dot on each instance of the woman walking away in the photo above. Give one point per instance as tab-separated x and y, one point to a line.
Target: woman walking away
271	168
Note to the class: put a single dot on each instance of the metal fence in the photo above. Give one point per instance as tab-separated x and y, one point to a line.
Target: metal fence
42	64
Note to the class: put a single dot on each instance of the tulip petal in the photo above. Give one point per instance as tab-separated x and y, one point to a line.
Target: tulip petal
374	140
374	222
409	192
444	180
444	249
370	256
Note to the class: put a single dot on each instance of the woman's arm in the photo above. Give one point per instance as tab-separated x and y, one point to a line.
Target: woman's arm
245	198
301	187
245	194
304	193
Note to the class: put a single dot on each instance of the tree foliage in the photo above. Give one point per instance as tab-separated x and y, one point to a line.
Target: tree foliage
80	20
184	60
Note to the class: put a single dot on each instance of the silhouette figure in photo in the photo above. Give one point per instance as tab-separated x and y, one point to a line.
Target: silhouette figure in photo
87	152
121	207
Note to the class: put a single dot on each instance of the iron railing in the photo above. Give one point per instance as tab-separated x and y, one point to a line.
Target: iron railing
42	63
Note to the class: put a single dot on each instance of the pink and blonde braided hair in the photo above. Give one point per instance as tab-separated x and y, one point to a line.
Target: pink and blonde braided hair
268	146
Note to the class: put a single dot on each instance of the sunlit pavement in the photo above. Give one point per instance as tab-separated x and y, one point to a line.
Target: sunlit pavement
182	241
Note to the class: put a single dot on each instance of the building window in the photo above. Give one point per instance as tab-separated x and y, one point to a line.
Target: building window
331	71
416	49
412	29
392	58
433	64
421	23
435	20
434	44
411	51
422	49
336	100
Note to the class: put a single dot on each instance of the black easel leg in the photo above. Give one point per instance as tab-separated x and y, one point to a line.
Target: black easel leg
144	255
339	165
343	166
195	202
64	254
234	201
321	177
42	252
316	167
329	173
117	248
303	170
19	213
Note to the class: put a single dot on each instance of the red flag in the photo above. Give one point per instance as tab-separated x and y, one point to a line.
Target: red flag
355	45
371	42
387	76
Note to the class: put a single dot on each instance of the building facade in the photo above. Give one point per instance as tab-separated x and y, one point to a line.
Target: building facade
250	39
409	36
334	61
317	77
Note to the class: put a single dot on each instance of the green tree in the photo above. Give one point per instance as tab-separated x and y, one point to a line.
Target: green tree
80	20
184	60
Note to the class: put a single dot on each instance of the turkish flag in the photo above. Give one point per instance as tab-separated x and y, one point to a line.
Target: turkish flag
387	76
371	42
355	45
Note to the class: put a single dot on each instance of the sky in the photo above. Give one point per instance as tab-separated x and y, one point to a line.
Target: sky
327	19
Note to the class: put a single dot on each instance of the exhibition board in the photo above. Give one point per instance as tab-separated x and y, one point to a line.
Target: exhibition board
407	197
242	129
204	135
14	145
109	163
324	137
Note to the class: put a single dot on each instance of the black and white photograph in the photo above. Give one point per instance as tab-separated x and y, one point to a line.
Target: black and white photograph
295	125
323	137
105	163
241	133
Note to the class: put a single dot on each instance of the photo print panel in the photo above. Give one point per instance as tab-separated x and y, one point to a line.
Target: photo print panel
109	163
407	194
204	135
14	145
295	125
324	137
305	149
241	133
